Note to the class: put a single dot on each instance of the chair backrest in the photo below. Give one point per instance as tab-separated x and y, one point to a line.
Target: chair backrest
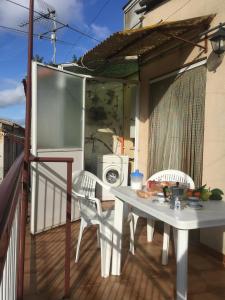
84	188
84	185
174	176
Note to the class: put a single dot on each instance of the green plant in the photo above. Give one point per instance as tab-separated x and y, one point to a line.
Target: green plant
205	193
216	194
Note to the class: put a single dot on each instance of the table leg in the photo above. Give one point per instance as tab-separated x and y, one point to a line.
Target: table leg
166	244
117	237
150	229
182	267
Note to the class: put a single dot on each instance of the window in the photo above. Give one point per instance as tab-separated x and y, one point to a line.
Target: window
59	109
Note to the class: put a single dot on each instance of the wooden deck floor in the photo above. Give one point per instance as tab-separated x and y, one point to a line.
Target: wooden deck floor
143	277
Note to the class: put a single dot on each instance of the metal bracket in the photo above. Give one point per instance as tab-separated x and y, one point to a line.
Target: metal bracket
187	41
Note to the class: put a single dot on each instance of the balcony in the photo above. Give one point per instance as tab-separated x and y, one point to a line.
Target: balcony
143	276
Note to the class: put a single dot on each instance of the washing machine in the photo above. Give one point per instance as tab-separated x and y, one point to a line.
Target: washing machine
112	169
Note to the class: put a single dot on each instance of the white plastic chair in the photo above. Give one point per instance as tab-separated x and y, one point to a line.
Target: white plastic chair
84	186
166	175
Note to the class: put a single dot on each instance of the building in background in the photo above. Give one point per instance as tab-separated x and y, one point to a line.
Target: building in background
11	144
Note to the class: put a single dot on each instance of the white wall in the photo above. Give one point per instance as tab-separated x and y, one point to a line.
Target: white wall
131	19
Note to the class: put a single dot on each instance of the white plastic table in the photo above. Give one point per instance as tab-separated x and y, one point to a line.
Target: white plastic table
212	214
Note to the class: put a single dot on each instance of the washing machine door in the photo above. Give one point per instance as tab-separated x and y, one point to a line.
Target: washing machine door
113	175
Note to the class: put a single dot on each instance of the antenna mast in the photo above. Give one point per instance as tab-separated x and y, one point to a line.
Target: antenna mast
45	16
53	36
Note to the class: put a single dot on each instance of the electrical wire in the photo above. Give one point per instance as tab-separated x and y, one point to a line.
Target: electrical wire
13	29
100	11
59	22
92	21
36	35
181	7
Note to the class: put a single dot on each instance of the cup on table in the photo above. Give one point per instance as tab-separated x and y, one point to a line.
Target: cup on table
177	193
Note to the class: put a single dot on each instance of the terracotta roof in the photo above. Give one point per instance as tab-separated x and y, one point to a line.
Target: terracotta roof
10	123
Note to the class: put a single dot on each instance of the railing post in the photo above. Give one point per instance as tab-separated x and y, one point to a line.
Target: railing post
68	231
22	234
24	203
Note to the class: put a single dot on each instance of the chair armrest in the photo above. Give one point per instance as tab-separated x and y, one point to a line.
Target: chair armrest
92	199
98	205
77	195
104	185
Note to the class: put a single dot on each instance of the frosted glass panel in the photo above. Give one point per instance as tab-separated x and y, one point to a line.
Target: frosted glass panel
59	109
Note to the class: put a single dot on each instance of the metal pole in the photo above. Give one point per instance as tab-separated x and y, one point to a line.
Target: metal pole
24	203
53	37
212	29
68	232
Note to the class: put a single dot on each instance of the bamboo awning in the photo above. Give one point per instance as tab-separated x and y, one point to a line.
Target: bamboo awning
142	41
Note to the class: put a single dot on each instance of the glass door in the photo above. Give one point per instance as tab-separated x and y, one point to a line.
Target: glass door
57	131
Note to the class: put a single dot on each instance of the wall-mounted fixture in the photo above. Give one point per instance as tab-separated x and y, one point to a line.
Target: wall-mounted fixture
217	40
147	5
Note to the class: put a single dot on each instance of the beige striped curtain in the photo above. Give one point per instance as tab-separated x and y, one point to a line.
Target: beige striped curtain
177	123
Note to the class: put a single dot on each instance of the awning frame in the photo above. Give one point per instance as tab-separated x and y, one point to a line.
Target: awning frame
205	48
149	40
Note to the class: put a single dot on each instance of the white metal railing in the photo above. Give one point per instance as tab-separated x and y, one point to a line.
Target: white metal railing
8	284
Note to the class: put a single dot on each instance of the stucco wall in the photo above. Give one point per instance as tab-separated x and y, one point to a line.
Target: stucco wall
214	136
131	19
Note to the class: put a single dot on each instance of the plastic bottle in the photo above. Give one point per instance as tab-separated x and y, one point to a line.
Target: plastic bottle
177	204
136	180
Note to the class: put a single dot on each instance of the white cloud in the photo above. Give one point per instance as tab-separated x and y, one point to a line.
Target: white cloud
100	32
8	82
12	15
67	10
11	96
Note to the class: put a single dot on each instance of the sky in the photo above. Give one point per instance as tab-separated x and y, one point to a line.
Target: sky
97	18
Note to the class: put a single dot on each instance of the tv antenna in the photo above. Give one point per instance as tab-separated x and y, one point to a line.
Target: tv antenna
46	17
